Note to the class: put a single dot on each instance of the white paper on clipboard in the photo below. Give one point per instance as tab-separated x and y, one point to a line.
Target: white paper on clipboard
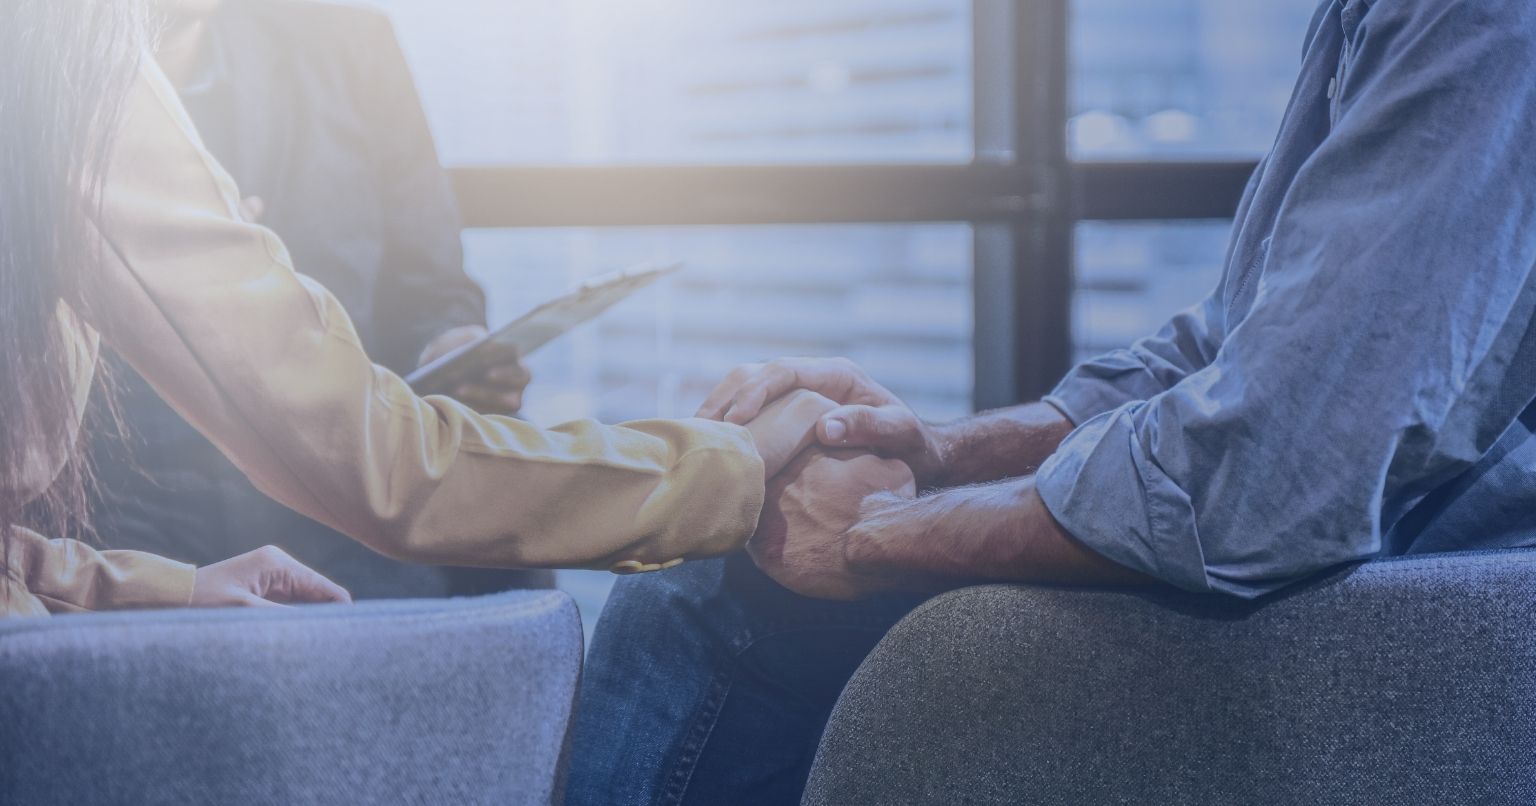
539	326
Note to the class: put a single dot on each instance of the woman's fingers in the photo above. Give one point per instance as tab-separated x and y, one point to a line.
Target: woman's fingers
252	600
301	584
786	427
744	393
260	578
720	398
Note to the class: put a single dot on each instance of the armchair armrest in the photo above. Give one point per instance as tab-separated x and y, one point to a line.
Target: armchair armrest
463	701
1408	681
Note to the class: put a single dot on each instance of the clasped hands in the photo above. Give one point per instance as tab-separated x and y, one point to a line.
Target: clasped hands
843	455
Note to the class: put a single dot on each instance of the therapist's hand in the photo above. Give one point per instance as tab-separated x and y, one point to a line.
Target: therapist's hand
867	416
500	389
266	577
786	427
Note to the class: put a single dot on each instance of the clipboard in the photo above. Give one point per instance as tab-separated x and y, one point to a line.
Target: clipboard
538	327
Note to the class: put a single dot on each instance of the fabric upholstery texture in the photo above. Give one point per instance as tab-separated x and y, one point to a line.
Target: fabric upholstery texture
460	701
1409	681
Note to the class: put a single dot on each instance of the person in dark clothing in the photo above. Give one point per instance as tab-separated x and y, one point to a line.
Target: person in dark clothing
311	107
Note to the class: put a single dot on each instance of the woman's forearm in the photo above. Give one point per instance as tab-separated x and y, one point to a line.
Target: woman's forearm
264	362
69	576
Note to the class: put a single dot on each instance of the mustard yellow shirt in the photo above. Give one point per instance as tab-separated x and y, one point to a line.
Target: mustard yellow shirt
265	363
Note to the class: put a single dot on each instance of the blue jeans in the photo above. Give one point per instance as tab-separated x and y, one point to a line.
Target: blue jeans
711	684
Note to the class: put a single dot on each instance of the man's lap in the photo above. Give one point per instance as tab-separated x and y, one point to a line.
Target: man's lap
710	683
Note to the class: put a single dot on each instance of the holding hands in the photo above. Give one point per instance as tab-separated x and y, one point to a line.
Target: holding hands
838	447
802	537
866	414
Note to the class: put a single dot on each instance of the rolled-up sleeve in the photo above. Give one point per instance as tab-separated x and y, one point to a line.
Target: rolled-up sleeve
1389	341
67	576
1149	367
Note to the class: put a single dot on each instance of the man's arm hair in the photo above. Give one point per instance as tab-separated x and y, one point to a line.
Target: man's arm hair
999	532
985	447
1001	444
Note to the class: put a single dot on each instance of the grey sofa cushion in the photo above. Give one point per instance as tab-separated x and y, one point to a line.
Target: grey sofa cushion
464	701
1402	682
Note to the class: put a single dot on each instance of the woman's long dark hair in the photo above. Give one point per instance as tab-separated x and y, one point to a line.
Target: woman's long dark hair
65	66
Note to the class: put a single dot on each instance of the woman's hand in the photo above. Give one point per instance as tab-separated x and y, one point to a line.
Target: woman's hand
266	577
786	427
867	415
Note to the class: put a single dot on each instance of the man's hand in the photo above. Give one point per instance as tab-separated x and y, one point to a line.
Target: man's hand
802	535
266	577
786	427
500	389
868	415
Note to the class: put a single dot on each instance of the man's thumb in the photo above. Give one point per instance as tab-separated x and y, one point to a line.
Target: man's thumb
859	427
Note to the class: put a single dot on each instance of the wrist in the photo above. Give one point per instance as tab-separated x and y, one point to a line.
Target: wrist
869	544
937	470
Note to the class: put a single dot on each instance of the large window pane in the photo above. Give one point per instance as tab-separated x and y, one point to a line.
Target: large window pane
699	81
1131	278
895	298
1183	78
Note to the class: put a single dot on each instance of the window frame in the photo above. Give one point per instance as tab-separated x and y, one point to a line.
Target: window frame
1022	193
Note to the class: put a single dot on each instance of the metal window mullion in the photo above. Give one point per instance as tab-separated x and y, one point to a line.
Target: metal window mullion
995	258
1044	233
1023	345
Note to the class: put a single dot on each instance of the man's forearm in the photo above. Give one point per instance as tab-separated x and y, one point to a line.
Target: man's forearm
1001	444
995	533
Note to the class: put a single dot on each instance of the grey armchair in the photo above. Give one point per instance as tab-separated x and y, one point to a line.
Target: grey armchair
463	701
1410	681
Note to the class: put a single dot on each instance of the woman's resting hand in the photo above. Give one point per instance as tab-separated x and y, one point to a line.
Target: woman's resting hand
266	577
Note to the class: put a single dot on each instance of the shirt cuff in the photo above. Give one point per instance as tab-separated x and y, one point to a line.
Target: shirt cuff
146	580
709	502
1105	491
1104	384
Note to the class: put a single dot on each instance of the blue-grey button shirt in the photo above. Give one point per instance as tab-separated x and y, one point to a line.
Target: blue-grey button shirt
1361	382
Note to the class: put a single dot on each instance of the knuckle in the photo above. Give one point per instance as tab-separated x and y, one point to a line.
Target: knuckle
806	403
861	419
